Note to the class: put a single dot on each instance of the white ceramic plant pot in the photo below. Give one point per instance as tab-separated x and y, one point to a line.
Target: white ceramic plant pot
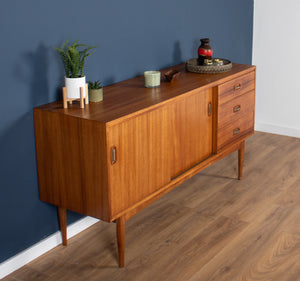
73	87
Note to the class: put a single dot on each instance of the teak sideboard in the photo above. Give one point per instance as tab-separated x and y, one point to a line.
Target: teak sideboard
111	159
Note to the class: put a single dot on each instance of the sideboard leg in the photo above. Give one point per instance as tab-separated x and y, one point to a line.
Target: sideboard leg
121	240
62	216
241	159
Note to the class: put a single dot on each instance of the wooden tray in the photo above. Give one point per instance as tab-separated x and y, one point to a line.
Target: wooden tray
192	66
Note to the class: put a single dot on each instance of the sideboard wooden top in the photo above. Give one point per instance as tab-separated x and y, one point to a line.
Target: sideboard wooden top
131	96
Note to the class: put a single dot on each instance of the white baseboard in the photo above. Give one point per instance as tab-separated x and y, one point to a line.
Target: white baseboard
42	247
275	129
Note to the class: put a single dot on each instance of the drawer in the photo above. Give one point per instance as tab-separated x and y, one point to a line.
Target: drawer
236	87
235	108
237	130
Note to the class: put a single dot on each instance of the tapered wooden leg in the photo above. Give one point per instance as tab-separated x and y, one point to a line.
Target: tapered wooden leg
121	240
65	99
86	94
241	159
62	216
81	97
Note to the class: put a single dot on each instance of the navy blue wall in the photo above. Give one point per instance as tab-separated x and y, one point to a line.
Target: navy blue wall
132	35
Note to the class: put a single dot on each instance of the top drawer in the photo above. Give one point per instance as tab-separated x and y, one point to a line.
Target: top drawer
236	87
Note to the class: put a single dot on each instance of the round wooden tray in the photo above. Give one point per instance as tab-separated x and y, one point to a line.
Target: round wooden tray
192	66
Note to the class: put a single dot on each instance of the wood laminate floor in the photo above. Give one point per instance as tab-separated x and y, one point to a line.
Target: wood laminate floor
212	227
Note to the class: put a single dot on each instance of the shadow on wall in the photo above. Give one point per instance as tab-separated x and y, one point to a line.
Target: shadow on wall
177	54
26	219
33	71
109	80
194	50
18	140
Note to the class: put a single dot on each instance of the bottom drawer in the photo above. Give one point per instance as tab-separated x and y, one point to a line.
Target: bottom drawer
237	130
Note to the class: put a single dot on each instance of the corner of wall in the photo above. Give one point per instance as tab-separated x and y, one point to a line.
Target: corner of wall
279	130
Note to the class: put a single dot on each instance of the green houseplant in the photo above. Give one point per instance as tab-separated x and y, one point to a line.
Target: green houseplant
73	57
95	91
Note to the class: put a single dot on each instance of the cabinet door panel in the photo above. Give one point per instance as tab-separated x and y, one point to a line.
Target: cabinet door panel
191	131
142	158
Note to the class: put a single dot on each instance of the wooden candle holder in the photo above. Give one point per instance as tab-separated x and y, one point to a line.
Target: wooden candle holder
83	100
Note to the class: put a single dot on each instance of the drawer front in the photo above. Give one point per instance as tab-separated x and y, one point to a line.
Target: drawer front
236	87
235	108
237	130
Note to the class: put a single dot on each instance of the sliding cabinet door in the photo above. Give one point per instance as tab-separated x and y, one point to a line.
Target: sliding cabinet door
139	158
191	122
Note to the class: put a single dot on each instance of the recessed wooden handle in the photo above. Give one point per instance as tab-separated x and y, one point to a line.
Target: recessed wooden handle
236	108
113	153
209	109
236	131
237	87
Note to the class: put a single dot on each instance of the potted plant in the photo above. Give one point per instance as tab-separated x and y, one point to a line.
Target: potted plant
73	57
95	91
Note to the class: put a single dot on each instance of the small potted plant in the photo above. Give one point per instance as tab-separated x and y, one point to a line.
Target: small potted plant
95	91
73	57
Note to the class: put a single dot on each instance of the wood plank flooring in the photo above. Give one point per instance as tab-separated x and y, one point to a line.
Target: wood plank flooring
212	227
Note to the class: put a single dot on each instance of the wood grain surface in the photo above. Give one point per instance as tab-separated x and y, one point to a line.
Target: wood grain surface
71	158
155	136
236	87
143	158
211	227
128	97
191	131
